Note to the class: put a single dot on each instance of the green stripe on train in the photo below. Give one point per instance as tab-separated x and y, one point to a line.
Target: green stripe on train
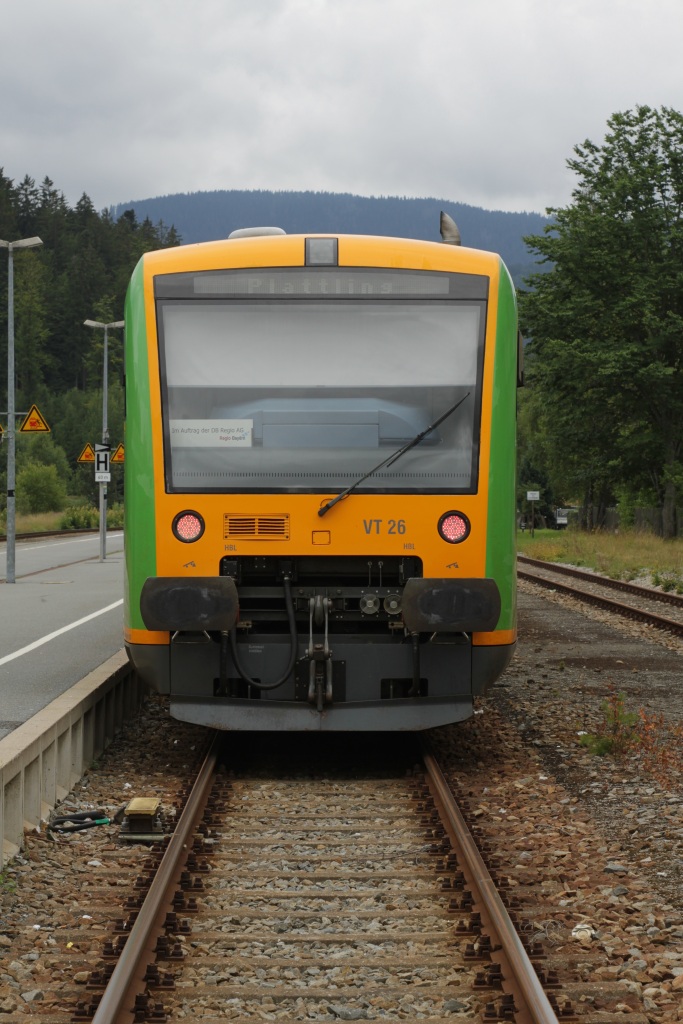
139	470
500	550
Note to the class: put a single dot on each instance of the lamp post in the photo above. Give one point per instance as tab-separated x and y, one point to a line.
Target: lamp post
21	243
105	431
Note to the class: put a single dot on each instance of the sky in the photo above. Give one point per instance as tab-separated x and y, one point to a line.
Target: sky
472	101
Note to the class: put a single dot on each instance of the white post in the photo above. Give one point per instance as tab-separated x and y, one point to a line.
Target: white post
11	426
21	243
105	438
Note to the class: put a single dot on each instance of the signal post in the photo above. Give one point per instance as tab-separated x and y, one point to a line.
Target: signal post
102	474
100	458
102	477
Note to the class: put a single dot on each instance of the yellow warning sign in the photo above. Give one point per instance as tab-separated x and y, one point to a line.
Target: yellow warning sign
87	455
118	455
34	421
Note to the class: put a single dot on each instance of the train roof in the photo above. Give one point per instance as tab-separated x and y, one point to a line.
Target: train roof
261	249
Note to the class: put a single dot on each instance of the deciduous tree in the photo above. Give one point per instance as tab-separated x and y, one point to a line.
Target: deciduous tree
606	319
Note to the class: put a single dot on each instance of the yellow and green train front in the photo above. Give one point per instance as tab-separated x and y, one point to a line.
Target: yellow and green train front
320	480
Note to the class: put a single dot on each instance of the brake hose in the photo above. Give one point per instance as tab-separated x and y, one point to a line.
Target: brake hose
289	604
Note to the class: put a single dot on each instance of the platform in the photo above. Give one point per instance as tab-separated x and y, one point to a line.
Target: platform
58	624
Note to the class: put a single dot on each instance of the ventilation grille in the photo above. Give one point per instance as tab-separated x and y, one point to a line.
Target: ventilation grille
256	527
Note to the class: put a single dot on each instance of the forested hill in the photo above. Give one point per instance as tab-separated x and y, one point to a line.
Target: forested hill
205	216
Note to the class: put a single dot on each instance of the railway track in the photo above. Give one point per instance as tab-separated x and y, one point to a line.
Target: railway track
640	607
326	898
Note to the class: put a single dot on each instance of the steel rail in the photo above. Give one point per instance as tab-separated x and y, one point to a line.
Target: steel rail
626	611
646	593
520	976
118	999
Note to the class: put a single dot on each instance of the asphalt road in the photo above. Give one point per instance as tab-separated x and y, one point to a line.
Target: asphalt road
61	619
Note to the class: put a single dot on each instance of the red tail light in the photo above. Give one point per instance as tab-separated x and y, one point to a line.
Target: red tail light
454	527
188	526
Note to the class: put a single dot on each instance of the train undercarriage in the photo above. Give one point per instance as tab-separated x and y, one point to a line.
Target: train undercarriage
331	643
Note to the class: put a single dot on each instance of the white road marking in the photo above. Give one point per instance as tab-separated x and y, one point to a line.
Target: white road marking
58	632
27	546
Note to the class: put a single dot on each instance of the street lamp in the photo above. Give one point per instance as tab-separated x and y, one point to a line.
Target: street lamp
21	243
105	431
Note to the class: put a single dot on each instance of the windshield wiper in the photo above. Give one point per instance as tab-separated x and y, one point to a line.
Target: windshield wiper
394	457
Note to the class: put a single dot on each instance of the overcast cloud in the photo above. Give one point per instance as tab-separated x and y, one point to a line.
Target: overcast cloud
473	101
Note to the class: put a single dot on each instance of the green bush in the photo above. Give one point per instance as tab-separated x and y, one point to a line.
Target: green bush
87	517
80	517
40	489
115	516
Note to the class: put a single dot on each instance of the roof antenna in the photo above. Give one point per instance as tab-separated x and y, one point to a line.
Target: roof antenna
449	230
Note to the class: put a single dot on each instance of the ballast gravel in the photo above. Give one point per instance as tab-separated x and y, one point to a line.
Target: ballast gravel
603	828
597	841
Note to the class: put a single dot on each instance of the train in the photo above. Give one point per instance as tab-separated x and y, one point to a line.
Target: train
320	479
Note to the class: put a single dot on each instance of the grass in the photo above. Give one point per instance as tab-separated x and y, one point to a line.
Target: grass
623	556
40	522
36	522
79	515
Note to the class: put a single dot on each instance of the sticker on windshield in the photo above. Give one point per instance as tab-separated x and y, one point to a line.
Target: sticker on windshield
211	433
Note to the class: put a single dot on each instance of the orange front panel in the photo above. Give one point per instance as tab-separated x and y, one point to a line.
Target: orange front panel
361	524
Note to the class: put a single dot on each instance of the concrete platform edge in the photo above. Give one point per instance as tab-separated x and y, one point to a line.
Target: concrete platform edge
44	758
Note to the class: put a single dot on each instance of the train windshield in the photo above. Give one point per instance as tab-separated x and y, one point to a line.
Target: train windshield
303	380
